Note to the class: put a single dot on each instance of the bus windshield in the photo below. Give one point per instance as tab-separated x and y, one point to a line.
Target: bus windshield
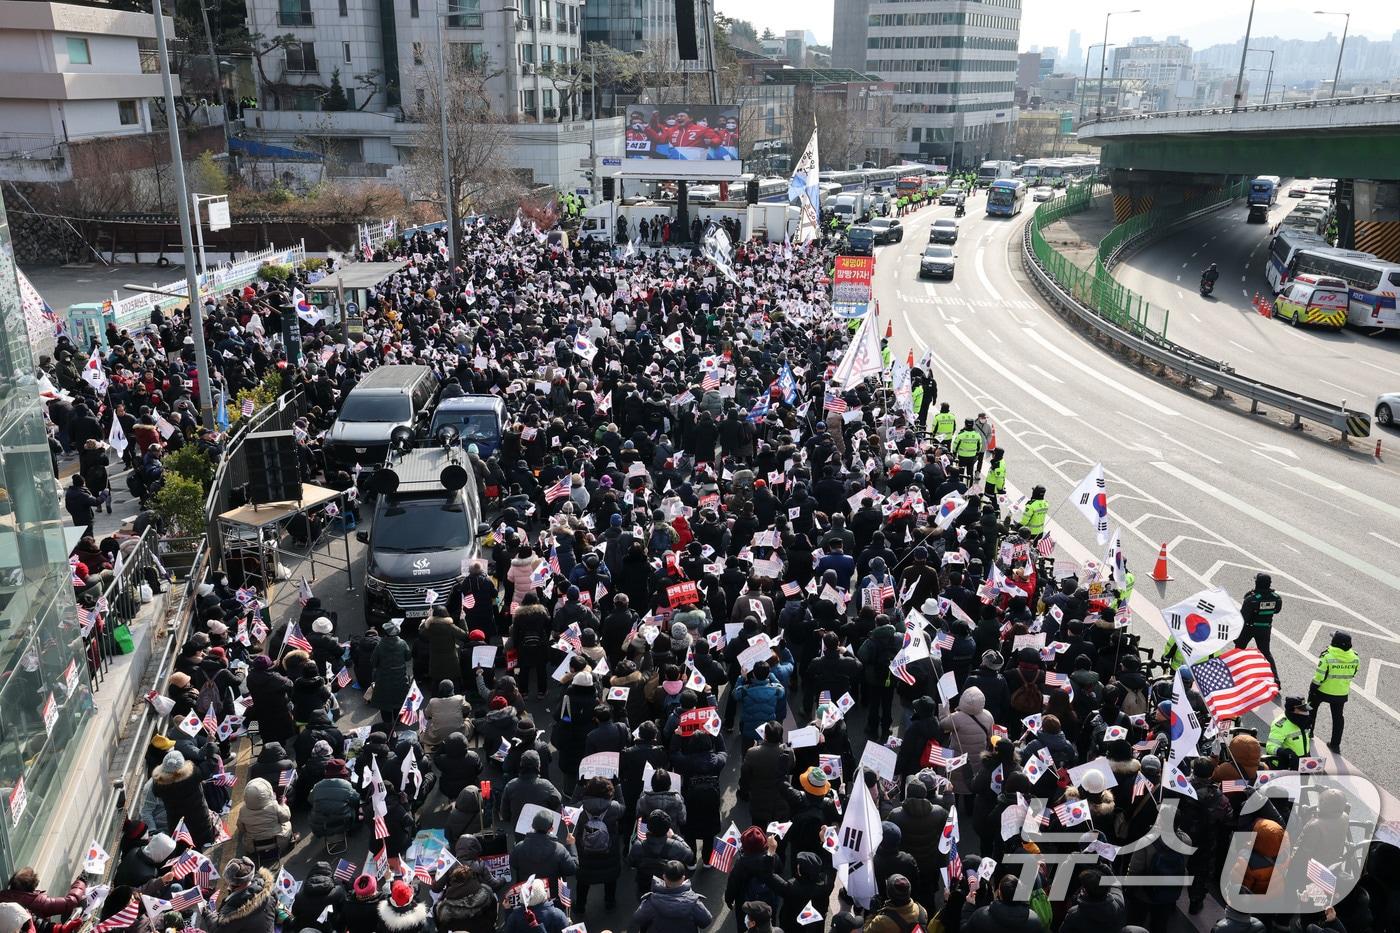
1001	197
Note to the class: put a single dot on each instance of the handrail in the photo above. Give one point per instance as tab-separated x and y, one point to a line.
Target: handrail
1054	276
1252	108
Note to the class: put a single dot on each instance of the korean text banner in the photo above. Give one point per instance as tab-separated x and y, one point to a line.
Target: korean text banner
682	141
851	285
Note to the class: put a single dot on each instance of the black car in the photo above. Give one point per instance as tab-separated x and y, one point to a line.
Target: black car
944	230
887	230
860	240
937	261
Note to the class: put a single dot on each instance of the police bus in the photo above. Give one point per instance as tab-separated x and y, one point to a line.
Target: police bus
1005	197
1373	283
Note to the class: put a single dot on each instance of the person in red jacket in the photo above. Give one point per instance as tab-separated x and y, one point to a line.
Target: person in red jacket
23	889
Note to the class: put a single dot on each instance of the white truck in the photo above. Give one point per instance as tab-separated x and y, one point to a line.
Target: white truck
849	207
766	220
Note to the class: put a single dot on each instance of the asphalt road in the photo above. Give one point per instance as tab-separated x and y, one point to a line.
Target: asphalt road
1349	365
1231	494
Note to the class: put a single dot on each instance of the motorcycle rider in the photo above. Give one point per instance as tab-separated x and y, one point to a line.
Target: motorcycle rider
1209	276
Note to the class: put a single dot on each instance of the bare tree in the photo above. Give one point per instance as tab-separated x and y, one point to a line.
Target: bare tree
570	79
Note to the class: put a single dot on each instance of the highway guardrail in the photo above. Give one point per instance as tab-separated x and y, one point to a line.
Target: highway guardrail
1252	108
1062	283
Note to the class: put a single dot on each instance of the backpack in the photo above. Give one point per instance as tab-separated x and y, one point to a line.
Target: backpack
136	484
1027	698
902	925
597	839
1134	701
1040	905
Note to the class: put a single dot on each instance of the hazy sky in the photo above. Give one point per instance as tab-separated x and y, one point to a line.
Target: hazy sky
1046	23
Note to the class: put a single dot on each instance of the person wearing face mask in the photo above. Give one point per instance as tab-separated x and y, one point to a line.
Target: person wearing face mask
1292	731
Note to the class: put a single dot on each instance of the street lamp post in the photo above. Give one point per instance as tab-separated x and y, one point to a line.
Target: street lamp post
1336	76
1269	81
177	165
1239	80
1103	56
449	190
1084	84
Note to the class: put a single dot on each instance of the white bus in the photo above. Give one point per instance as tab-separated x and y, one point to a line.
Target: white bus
1374	283
1282	249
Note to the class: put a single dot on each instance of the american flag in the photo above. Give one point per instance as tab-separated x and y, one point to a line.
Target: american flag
345	870
943	641
247	407
185	864
223	778
184	900
343	678
182	833
641	831
901	670
887	592
710	381
830	764
211	722
422	873
791	590
955	862
722	855
1320	875
1052	679
1141	786
381	831
1045	547
566	897
295	639
1237	786
122	918
559	490
936	755
1235	682
833	401
554	559
221	833
468	600
205	876
285	778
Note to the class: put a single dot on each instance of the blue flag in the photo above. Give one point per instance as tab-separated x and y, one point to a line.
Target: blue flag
788	383
221	412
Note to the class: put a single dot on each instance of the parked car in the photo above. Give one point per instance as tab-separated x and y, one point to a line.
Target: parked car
952	196
1299	190
944	230
887	230
937	261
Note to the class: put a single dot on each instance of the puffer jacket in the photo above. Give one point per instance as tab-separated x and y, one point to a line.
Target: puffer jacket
335	806
970	726
673	909
465	817
248	910
921	821
261	817
766	770
319	891
518	576
457	766
759	702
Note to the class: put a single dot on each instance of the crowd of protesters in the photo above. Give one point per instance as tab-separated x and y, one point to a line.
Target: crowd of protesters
738	635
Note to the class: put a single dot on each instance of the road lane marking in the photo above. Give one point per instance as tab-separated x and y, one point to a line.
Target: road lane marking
1341	489
1008	375
1307	495
1269	519
1385	539
1167	437
1241	346
1193	316
993	335
1335	386
1100	377
1393	372
980	268
1048	375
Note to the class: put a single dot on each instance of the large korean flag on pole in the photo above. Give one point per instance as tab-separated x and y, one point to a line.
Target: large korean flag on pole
1204	623
855	846
1090	497
804	189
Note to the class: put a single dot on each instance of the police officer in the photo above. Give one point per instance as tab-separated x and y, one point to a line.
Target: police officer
967	447
944	424
1260	606
995	483
1036	513
1125	587
1293	730
1336	669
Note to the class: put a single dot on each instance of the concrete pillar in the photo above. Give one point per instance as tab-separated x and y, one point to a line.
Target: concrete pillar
1375	219
1136	192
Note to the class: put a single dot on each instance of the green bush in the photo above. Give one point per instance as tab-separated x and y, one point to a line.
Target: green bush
191	463
180	503
275	272
263	394
314	264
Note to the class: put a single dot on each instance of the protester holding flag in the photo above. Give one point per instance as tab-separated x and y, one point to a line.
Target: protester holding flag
393	672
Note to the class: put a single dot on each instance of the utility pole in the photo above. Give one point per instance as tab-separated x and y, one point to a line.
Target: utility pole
449	190
594	182
1337	75
218	76
1244	54
1103	58
177	160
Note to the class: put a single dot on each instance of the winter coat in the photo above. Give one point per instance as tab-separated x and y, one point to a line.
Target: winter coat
921	821
248	910
261	817
1096	916
549	917
335	806
393	671
467	903
361	915
41	905
414	918
599	867
996	696
465	816
529	787
1003	917
318	891
444	638
758	703
669	802
755	877
700	773
445	715
970	726
456	765
541	855
672	909
182	794
271	693
766	770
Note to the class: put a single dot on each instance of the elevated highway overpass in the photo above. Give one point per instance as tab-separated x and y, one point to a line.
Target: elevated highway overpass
1163	158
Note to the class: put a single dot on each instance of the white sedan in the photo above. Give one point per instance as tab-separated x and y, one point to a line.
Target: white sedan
1387	408
1043	193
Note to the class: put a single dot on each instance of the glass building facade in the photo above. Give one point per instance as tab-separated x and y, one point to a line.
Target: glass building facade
45	689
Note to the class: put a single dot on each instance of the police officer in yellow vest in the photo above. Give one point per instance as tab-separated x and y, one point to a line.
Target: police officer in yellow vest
967	444
995	483
944	424
1336	669
1125	587
1293	730
1036	513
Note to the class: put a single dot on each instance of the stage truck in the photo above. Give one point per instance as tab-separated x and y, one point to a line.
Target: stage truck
768	221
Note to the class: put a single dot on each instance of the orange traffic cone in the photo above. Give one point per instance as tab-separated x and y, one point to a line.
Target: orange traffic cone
1159	572
909	360
889	328
992	441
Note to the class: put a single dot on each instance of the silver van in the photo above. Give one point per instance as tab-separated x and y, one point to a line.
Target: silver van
478	419
389	397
